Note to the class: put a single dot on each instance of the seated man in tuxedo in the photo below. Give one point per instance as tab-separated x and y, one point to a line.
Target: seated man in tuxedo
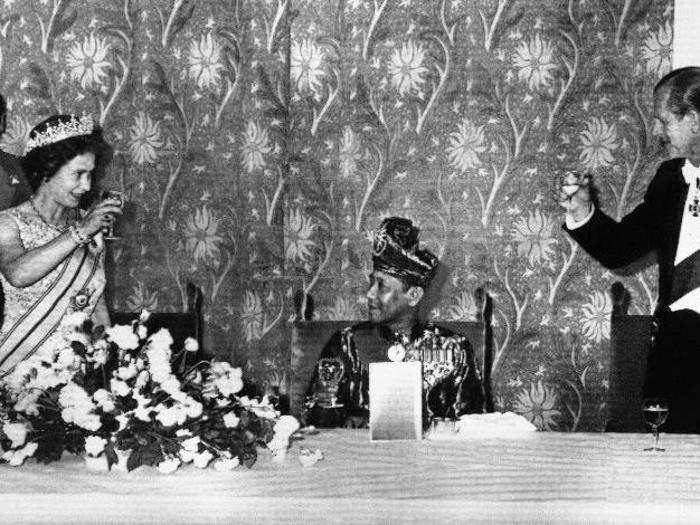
667	222
338	392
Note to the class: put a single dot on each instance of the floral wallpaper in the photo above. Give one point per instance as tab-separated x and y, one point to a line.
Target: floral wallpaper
261	141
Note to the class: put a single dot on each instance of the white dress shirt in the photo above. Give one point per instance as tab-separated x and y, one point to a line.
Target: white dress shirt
689	238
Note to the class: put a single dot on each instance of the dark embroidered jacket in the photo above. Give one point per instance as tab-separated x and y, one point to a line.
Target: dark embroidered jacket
338	394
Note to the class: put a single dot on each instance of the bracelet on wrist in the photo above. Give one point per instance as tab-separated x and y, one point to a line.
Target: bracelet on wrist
78	236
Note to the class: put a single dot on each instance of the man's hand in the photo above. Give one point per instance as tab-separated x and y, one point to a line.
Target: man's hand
575	195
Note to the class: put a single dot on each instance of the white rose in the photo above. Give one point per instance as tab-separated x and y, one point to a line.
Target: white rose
283	430
161	339
194	409
231	420
104	400
186	456
89	422
123	336
29	449
224	465
119	388
16	432
142	379
202	460
142	332
94	445
171	385
191	344
17	457
99	357
66	357
127	372
191	444
229	385
145	315
169	465
10	455
168	417
160	371
142	413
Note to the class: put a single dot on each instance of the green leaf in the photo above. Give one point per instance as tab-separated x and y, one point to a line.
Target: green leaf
135	460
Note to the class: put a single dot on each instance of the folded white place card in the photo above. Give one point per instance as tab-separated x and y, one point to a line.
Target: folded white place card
395	401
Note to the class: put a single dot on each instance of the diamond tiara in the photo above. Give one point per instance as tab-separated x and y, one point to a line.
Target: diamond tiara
74	127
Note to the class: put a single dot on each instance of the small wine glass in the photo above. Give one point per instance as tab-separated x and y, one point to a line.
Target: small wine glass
109	233
655	412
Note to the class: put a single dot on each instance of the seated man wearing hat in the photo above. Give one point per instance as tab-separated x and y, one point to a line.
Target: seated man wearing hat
338	392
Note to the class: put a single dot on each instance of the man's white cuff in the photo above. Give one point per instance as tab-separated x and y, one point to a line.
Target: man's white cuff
572	224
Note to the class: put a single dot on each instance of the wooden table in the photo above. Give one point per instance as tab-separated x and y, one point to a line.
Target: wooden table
541	477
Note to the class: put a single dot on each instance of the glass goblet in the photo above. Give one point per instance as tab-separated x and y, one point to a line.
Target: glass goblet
655	412
109	233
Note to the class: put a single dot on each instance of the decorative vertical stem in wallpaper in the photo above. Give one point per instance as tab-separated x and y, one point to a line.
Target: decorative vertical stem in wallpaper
491	26
511	151
60	20
123	30
261	141
571	65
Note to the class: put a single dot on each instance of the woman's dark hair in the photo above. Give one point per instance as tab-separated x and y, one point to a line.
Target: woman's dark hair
683	88
43	162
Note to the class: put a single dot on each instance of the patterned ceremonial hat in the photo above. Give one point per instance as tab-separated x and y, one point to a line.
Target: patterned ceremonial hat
75	126
395	251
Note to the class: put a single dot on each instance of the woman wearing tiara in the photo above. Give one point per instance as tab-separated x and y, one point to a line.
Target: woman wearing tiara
51	252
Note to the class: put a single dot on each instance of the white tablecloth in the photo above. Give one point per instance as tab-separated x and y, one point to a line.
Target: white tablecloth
544	476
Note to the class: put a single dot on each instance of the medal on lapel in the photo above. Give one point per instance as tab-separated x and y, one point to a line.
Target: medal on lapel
694	207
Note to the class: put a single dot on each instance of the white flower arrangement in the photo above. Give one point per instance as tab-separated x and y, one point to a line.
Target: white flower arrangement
115	396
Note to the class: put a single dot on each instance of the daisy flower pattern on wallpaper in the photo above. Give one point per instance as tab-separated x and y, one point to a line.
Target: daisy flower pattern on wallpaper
534	61
204	62
534	237
465	145
596	317
342	310
256	144
252	316
598	141
201	235
141	298
307	65
406	69
538	405
298	230
463	309
87	61
145	139
656	50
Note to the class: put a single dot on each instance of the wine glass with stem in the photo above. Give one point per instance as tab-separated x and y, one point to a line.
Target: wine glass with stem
655	411
107	194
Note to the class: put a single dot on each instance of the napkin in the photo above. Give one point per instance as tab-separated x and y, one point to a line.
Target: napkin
479	426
